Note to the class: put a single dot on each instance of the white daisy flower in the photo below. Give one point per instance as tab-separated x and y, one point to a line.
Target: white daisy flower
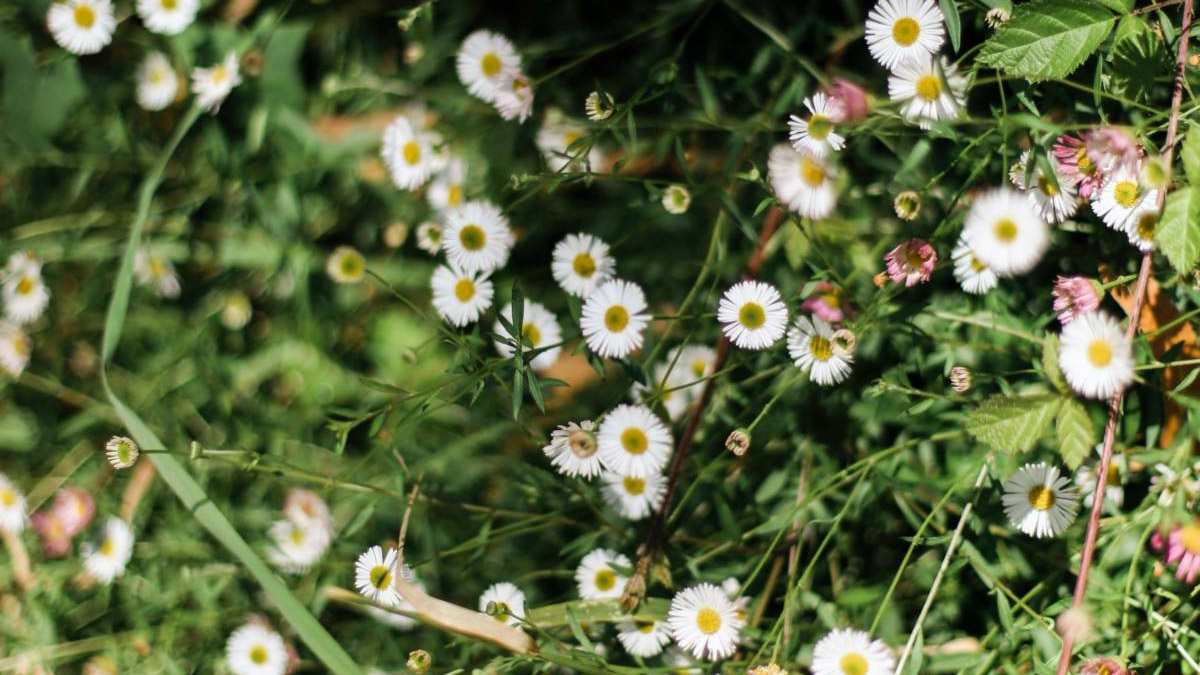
572	449
700	361
121	452
308	509
643	638
634	497
1095	355
25	294
1114	492
1038	501
375	575
752	314
810	344
346	265
408	153
1005	232
212	85
704	622
676	199
255	649
167	17
295	546
555	139
153	270
477	237
806	184
157	82
447	190
1142	228
483	59
460	297
595	577
82	26
633	441
12	506
1054	203
613	318
928	91
539	328
816	135
15	348
514	97
599	108
106	560
429	237
847	651
1123	200
670	385
899	31
972	274
581	263
507	603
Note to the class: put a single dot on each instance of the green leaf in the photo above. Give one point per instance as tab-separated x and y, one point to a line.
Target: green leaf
592	611
1047	39
1012	423
1178	234
1137	57
953	22
1190	151
708	100
1050	363
1074	431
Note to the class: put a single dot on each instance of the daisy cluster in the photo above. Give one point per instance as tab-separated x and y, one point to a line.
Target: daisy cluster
25	298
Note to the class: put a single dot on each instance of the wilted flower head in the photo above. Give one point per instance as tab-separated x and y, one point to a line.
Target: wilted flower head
1074	296
961	379
738	442
826	302
676	199
1111	146
907	205
768	669
419	661
843	342
996	16
852	99
1183	549
911	262
1075	162
1102	666
599	106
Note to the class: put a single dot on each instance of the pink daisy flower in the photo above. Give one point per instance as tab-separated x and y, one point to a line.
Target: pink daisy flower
911	262
56	543
1110	146
1102	666
853	100
827	303
1074	296
74	509
1078	165
1183	550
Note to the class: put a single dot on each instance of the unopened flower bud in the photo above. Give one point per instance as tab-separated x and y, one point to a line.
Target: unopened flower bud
414	52
881	279
996	16
1155	172
419	661
121	452
844	341
738	442
907	205
960	379
395	235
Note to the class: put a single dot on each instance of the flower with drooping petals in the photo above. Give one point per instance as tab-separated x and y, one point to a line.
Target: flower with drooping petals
1078	166
826	302
1074	296
911	262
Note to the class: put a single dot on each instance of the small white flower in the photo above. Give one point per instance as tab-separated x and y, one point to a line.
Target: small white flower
212	85
1114	492
573	449
483	59
643	638
346	265
106	560
255	649
1005	232
595	577
581	263
153	270
752	314
1122	199
514	97
847	651
704	622
448	190
121	452
82	26
460	297
12	506
15	348
429	237
295	546
699	360
507	603
635	497
25	294
375	575
806	184
972	274
1038	501
676	199
555	139
633	441
928	91
1054	203
309	510
613	318
816	135
900	31
539	328
599	108
810	344
670	385
1142	228
157	82
1095	355
477	237
167	17
408	153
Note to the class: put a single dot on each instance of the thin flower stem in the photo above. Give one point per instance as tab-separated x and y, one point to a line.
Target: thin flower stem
143	476
1139	297
21	570
948	316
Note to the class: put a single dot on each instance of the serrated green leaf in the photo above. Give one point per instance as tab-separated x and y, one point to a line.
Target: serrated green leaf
1190	151
1137	57
1178	235
1012	423
1050	363
1047	38
1074	432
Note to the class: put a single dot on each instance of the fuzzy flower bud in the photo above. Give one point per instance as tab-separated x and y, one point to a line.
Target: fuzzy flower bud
853	99
121	452
907	205
738	442
961	379
1074	296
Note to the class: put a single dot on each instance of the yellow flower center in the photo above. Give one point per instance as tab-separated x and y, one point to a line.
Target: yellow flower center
1146	226
1084	162
584	265
1114	474
616	318
490	64
297	536
1006	230
169	4
454	195
906	31
84	16
699	368
351	265
258	654
912	257
464	290
25	285
752	315
1049	189
1099	353
570	137
1041	497
634	441
157	76
8	497
853	664
819	127
821	348
1126	193
381	576
21	345
124	453
502	612
1189	537
708	621
644	626
634	486
531	333
812	172
929	87
219	75
106	548
472	237
412	153
605	580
